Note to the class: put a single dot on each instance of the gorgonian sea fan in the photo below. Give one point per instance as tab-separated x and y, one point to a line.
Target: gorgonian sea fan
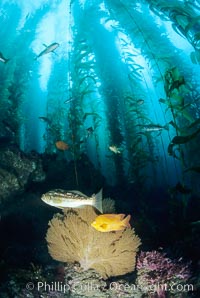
71	238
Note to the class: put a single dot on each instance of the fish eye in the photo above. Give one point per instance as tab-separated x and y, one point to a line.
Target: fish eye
103	226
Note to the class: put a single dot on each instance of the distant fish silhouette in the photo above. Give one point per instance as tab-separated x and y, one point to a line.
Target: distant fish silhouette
153	127
90	131
48	49
114	149
3	59
62	145
45	119
140	102
69	100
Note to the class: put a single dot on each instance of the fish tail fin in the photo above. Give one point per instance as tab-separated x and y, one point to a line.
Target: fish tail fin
126	221
98	201
6	60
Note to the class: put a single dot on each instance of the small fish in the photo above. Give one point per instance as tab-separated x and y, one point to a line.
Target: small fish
45	119
48	49
70	100
3	59
111	222
154	127
114	149
90	131
62	145
72	199
140	102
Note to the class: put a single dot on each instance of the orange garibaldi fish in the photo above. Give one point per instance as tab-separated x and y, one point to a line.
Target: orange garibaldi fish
111	222
62	145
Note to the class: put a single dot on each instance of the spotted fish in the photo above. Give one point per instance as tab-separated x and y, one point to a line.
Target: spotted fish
72	199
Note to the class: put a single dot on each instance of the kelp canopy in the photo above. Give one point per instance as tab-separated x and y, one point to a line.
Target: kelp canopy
115	80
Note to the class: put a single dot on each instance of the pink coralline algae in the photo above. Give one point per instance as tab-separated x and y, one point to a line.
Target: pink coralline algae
158	274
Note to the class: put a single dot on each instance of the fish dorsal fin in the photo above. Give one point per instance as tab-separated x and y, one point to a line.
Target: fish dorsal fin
110	216
45	45
114	216
78	193
98	201
120	216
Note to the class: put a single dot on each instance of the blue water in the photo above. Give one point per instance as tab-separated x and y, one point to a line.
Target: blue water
108	73
99	95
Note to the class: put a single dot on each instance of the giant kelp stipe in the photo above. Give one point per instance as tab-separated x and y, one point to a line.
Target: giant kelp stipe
100	95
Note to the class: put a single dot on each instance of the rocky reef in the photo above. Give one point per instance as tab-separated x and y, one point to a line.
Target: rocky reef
70	280
17	169
26	268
